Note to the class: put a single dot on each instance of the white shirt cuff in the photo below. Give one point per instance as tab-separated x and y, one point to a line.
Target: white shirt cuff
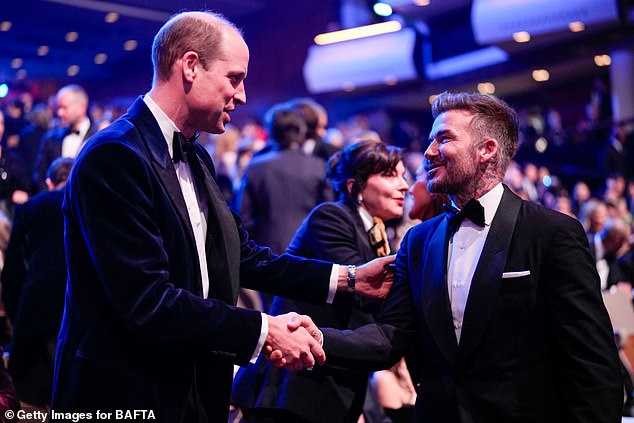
334	277
264	331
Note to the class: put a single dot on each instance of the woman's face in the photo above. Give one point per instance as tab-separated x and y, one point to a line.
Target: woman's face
421	197
384	193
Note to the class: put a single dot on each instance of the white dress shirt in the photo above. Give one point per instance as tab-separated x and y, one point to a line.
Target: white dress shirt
185	179
72	143
199	222
464	252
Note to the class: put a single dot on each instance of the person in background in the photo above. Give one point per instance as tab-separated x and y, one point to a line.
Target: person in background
14	178
279	188
369	179
396	392
420	205
33	287
39	123
69	137
316	118
593	216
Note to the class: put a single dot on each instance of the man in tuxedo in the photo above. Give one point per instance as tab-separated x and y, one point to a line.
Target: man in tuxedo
68	138
282	186
33	287
156	258
498	305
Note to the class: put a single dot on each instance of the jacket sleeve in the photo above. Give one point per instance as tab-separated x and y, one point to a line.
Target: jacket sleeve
381	344
580	329
110	208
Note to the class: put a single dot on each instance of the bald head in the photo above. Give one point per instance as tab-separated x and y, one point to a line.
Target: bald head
201	32
72	105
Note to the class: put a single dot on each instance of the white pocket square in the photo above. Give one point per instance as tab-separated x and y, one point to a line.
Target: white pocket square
508	275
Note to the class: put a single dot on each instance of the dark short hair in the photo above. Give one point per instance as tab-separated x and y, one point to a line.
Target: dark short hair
59	170
188	31
311	110
359	161
492	118
285	124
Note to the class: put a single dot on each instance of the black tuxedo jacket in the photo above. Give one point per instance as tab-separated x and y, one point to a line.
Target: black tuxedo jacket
279	189
536	344
333	232
33	287
51	148
136	332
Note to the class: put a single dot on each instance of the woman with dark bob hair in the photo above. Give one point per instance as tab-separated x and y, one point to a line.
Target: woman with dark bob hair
369	179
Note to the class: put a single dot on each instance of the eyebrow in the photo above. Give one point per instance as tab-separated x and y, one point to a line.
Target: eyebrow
431	138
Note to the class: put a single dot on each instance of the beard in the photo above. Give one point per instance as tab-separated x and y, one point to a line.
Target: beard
454	180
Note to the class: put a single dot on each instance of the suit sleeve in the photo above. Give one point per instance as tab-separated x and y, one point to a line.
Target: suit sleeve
111	202
329	235
581	330
284	275
381	344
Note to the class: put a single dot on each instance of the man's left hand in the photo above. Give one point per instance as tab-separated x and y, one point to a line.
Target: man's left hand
375	278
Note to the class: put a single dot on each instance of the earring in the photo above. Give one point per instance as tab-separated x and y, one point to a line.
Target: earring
359	198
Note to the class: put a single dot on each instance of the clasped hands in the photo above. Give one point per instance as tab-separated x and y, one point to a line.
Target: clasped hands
295	342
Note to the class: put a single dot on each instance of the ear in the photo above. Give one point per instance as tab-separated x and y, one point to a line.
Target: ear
50	185
488	149
189	65
349	184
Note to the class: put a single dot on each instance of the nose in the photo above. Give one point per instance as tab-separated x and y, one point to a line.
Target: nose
240	96
403	185
432	150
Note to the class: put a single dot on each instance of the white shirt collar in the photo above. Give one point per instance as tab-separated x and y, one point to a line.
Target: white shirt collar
165	123
366	218
491	201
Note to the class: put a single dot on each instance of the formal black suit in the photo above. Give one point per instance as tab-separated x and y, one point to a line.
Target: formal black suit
333	232
136	332
51	148
533	348
278	191
33	287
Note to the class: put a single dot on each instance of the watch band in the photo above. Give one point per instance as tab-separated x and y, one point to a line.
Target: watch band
352	277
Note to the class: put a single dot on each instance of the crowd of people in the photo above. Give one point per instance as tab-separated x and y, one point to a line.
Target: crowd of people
157	255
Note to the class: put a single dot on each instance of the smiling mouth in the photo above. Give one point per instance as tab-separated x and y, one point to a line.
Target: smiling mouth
433	168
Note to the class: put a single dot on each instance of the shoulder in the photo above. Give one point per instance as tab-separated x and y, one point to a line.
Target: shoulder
331	211
534	213
55	134
426	228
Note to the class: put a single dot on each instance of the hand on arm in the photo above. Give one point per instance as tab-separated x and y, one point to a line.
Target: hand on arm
293	341
373	279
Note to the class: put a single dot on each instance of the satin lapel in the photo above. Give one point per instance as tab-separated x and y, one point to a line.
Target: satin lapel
436	307
488	275
151	134
221	220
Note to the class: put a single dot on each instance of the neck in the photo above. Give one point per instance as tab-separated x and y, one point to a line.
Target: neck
476	189
175	108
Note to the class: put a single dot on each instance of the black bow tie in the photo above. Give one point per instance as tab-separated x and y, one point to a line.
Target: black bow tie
182	147
473	211
71	131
